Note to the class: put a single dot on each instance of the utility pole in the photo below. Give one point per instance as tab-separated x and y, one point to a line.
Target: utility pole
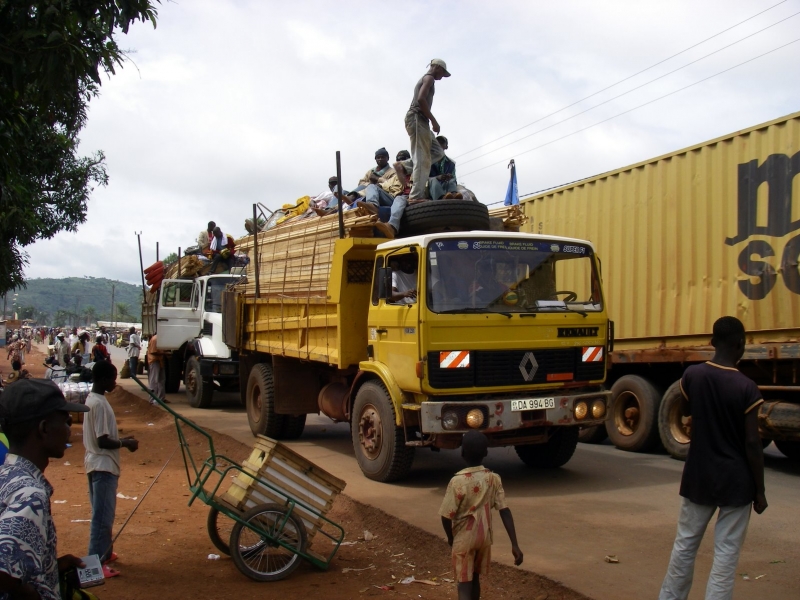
113	289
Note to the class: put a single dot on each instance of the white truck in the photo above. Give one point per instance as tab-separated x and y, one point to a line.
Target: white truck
187	316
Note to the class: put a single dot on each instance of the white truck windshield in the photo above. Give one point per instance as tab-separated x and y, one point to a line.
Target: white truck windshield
511	275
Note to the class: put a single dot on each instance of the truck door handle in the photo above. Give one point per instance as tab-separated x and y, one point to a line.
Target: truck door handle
381	331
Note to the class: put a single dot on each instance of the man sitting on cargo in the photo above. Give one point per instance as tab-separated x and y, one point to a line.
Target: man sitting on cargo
442	182
333	202
380	184
404	280
204	239
221	251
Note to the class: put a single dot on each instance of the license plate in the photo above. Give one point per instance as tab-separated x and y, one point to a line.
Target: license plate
533	404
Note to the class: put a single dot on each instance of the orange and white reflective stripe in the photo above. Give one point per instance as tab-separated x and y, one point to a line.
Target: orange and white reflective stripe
592	354
458	359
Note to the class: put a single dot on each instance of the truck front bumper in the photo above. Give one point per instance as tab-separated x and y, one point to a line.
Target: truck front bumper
218	368
498	414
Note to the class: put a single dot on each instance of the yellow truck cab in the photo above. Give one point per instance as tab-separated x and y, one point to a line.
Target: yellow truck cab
417	340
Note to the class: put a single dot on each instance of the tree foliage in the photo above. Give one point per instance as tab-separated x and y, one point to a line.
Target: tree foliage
52	56
170	258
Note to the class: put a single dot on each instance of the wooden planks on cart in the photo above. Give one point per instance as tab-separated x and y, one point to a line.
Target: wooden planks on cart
292	477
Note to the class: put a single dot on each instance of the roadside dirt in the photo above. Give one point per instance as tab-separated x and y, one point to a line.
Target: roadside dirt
164	548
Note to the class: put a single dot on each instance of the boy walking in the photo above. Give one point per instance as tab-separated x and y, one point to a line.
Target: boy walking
724	470
467	517
102	442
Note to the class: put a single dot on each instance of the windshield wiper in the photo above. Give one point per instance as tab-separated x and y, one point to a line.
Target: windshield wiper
466	310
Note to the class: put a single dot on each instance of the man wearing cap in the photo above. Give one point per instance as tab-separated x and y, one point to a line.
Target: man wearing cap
424	147
61	349
36	419
102	443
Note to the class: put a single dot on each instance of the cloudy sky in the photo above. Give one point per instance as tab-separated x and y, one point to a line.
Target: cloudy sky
227	103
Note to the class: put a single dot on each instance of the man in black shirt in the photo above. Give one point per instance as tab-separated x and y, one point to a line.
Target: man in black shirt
724	469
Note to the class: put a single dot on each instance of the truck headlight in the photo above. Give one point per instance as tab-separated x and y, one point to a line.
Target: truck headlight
598	409
581	410
449	419
475	418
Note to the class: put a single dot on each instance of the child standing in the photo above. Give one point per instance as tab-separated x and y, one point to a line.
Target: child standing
467	517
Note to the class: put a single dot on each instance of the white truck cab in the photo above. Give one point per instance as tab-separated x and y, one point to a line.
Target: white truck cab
188	321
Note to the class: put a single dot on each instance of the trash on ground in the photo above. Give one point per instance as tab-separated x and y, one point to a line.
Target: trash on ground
427	582
348	569
81	521
122	496
447	580
775	562
368	537
760	576
386	588
408	580
67	463
59	501
745	576
344	543
213	557
612	558
150	424
401	554
412	565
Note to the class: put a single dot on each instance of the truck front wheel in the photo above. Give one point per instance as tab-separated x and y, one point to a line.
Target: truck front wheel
198	391
633	420
379	444
553	454
674	422
261	403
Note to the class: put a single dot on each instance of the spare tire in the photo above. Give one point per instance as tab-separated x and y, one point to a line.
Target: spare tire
435	216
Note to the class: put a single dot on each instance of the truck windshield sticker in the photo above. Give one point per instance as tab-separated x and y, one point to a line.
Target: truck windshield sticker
507	275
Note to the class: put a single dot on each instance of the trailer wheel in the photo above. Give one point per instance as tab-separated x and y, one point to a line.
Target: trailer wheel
633	419
379	445
553	454
219	530
198	390
444	215
790	449
261	557
675	423
261	403
593	435
293	426
173	373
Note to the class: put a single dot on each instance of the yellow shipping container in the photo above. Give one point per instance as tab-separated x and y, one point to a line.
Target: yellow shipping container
693	235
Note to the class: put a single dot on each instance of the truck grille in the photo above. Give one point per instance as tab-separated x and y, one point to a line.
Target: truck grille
514	368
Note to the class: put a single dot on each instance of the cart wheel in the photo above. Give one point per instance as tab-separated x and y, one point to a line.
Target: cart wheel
260	557
219	530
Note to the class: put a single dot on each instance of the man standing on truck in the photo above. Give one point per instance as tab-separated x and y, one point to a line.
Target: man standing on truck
724	470
424	147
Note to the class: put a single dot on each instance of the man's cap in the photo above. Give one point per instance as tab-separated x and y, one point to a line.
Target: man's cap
440	138
60	334
333	179
438	62
30	399
381	152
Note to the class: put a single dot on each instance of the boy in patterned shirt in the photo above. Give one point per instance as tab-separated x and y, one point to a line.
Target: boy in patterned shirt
467	517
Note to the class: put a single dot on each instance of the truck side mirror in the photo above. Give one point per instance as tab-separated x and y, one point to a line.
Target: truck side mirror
384	283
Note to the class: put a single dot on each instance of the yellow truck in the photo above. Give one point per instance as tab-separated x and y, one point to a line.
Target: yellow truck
686	238
415	341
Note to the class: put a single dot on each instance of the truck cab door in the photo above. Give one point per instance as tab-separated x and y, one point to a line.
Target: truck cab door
179	313
393	330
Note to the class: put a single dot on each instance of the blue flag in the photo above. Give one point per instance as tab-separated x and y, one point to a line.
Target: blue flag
512	194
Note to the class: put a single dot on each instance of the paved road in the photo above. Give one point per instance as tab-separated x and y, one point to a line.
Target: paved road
602	502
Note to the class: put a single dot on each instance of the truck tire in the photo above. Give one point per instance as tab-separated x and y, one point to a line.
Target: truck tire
173	374
261	403
199	391
790	449
632	424
293	426
593	435
674	422
555	453
444	215
379	445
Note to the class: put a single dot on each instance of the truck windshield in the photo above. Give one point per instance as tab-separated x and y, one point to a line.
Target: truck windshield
511	275
214	289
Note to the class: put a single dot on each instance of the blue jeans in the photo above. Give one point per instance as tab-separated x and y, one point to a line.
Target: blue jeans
398	206
133	363
376	195
103	498
729	534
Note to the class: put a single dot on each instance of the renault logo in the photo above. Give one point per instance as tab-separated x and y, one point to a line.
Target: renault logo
528	366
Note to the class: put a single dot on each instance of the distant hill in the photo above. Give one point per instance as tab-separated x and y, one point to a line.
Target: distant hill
77	300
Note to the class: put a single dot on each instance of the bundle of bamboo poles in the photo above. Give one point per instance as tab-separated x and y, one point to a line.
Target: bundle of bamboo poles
186	267
294	259
512	216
